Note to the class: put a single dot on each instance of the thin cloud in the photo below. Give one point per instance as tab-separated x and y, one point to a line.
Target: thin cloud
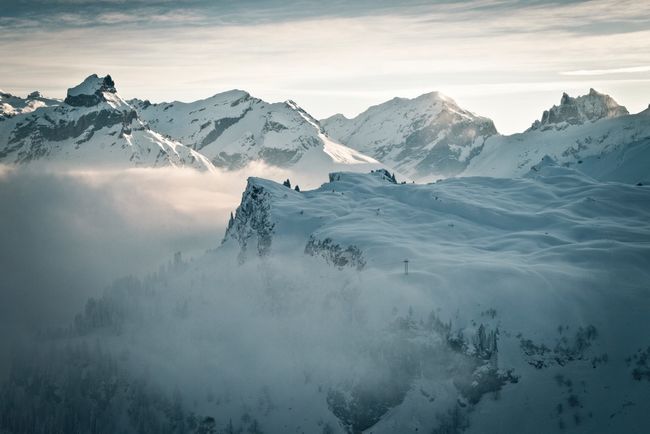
629	70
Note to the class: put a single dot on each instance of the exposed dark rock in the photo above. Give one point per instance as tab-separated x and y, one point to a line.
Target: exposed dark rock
350	256
252	222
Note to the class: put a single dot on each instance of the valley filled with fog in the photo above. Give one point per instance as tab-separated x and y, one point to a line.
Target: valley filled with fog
523	304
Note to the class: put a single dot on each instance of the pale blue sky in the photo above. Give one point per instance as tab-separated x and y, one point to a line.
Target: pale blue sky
507	60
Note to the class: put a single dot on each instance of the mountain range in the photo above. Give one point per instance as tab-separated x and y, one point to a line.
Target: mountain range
422	139
233	129
93	125
508	296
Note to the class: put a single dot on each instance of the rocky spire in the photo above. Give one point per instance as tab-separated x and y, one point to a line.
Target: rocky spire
579	110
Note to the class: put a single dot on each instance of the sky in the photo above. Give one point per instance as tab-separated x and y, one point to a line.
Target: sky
507	60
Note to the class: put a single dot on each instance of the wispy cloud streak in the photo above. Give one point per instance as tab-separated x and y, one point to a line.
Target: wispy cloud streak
628	70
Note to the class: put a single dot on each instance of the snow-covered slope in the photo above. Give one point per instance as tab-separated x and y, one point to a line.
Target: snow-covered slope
425	137
93	126
233	129
590	133
557	262
11	105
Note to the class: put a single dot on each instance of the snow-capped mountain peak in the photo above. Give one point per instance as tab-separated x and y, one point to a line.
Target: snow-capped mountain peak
423	137
591	133
579	110
94	90
93	84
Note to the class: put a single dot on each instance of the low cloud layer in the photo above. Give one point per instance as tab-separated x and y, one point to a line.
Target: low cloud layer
67	234
263	340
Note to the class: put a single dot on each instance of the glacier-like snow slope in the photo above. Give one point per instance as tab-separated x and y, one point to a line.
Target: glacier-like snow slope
558	262
590	133
425	138
93	126
234	129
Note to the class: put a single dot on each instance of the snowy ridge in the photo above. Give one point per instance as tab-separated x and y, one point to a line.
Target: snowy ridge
426	137
233	129
93	126
11	105
339	153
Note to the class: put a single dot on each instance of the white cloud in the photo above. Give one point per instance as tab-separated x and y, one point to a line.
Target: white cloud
629	70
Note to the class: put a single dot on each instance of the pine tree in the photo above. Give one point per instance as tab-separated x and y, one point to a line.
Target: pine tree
287	183
297	188
207	426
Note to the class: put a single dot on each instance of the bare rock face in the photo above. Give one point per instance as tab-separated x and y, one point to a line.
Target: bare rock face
252	226
579	110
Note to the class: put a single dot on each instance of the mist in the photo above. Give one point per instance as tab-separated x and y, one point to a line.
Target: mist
106	329
68	233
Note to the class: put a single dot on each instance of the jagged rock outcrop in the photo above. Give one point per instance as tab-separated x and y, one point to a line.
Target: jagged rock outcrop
578	110
335	254
251	226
